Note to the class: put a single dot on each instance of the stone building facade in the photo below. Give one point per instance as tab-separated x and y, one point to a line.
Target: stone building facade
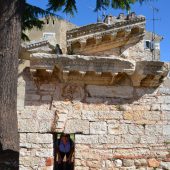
121	36
116	105
54	30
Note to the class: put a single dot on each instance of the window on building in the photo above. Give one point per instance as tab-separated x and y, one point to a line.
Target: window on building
157	46
149	45
63	151
48	35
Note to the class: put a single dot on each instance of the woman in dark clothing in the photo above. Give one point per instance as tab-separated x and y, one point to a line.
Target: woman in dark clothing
65	147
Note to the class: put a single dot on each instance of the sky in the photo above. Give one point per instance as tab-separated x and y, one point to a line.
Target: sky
86	15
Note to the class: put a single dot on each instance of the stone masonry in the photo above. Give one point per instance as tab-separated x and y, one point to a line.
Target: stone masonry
118	108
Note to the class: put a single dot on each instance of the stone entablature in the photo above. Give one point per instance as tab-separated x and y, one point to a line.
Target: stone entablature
94	70
105	28
99	37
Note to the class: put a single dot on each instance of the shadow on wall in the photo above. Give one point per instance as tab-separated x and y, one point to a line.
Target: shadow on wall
120	92
9	159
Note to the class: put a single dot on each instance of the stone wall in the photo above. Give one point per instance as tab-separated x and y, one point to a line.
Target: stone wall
116	127
138	52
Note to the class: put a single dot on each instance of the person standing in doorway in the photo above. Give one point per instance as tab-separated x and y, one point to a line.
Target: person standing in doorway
65	148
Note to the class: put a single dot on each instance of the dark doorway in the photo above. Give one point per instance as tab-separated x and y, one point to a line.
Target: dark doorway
64	151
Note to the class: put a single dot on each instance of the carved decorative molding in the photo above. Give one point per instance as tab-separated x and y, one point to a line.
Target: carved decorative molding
88	40
95	70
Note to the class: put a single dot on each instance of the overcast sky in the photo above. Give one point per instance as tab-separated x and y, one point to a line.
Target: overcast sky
86	16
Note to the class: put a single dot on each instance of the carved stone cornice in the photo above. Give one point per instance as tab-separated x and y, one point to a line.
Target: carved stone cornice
95	70
42	46
103	28
34	44
88	40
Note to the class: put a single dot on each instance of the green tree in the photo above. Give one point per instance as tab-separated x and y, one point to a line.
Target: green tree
15	16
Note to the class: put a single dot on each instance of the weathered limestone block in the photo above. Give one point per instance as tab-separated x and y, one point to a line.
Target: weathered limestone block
130	168
28	125
136	129
59	126
128	162
148	139
107	139
141	91
62	117
81	168
23	137
104	153
118	163
110	91
76	112
46	168
72	92
92	154
38	138
80	162
132	152
140	162
166	115
89	115
93	164
140	106
77	126
164	90
163	100
165	165
142	117
32	161
94	100
131	139
20	93
155	107
48	87
117	129
86	139
45	125
46	98
165	107
166	130
149	73
82	146
24	168
153	163
32	97
30	86
44	152
110	115
24	152
98	128
154	130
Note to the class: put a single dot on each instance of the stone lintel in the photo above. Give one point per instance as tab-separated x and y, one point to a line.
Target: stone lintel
98	70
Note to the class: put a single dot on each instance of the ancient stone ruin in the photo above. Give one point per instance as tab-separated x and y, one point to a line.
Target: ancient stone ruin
109	90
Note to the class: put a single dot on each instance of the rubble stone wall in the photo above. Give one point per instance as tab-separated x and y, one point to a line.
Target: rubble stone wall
135	52
116	127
